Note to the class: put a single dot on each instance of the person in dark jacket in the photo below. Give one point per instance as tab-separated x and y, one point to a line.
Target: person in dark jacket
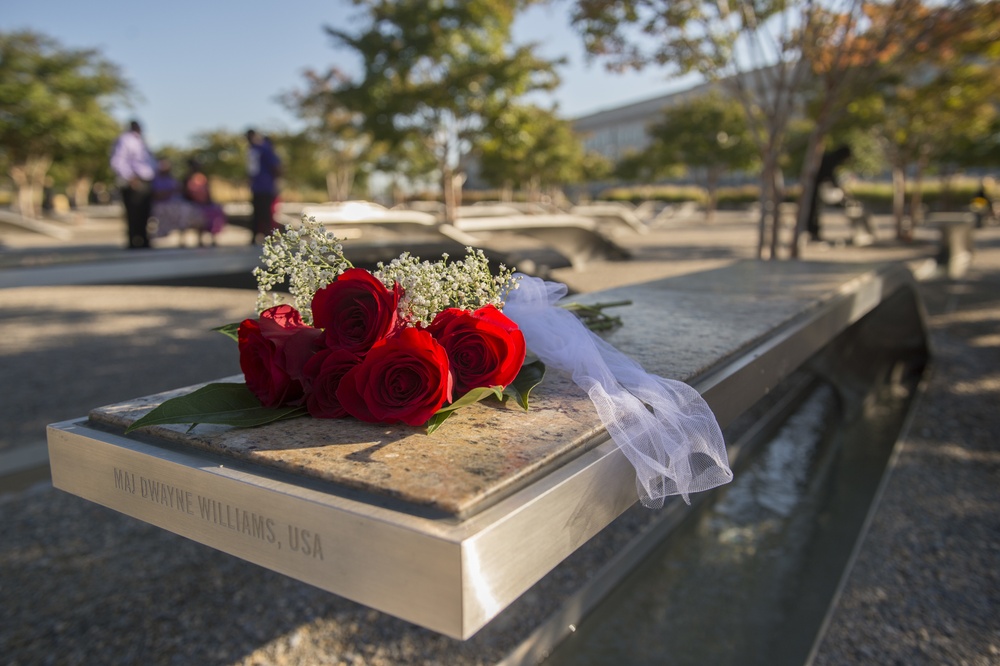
826	175
263	169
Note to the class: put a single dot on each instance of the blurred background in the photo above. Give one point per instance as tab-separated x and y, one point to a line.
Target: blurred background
718	106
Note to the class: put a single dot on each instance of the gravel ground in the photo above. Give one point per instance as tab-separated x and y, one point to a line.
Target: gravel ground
100	345
80	584
925	588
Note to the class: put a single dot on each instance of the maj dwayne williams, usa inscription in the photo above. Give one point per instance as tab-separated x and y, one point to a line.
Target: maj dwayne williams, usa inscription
266	530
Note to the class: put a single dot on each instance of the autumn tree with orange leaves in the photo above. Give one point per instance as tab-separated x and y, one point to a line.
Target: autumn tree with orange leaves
780	59
943	93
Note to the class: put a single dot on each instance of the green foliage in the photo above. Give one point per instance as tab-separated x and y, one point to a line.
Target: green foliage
531	147
221	153
936	193
980	150
231	331
55	107
434	73
303	163
642	166
708	132
223	403
936	102
667	193
470	398
56	101
343	152
531	375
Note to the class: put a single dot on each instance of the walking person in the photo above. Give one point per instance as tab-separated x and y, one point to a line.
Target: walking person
135	167
826	178
263	168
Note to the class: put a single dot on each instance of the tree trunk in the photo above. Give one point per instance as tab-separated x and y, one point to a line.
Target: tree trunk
25	201
810	169
778	193
947	181
712	186
451	186
448	195
339	183
38	167
766	203
81	191
457	183
29	177
533	187
916	200
899	202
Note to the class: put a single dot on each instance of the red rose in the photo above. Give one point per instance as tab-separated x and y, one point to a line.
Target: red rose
323	374
356	310
273	352
485	347
402	379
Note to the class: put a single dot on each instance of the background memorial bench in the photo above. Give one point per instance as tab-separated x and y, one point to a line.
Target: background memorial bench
578	238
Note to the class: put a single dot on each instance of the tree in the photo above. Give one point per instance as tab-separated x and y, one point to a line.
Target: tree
221	153
530	147
945	98
54	103
707	134
886	51
694	36
765	52
80	166
433	72
344	147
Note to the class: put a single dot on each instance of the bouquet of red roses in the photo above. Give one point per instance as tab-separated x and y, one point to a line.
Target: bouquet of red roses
413	341
408	343
363	359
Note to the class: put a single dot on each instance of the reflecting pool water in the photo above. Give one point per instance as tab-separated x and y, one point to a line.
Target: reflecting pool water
748	579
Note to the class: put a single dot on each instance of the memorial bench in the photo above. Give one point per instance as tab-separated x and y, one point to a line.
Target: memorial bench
611	218
575	237
578	238
448	530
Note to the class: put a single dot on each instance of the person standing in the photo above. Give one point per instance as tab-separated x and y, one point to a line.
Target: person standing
263	168
135	168
826	175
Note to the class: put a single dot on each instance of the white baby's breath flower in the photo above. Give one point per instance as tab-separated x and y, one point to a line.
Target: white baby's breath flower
309	258
431	287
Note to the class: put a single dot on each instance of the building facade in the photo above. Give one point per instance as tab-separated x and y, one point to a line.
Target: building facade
617	132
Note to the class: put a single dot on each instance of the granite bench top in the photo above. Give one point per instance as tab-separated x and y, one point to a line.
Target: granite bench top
678	328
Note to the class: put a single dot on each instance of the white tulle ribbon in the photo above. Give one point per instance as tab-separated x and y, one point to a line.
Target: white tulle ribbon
664	427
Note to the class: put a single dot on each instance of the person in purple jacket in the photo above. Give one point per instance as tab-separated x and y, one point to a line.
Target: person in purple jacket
263	168
134	168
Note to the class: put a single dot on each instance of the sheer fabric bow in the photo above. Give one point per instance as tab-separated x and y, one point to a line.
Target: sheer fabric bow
664	427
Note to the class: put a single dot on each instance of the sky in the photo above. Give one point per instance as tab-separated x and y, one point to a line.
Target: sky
203	65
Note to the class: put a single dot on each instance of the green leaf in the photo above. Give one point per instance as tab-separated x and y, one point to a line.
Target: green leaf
225	404
230	331
470	398
474	396
434	422
528	378
594	316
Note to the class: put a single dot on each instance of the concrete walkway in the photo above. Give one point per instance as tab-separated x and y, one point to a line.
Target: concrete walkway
80	584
